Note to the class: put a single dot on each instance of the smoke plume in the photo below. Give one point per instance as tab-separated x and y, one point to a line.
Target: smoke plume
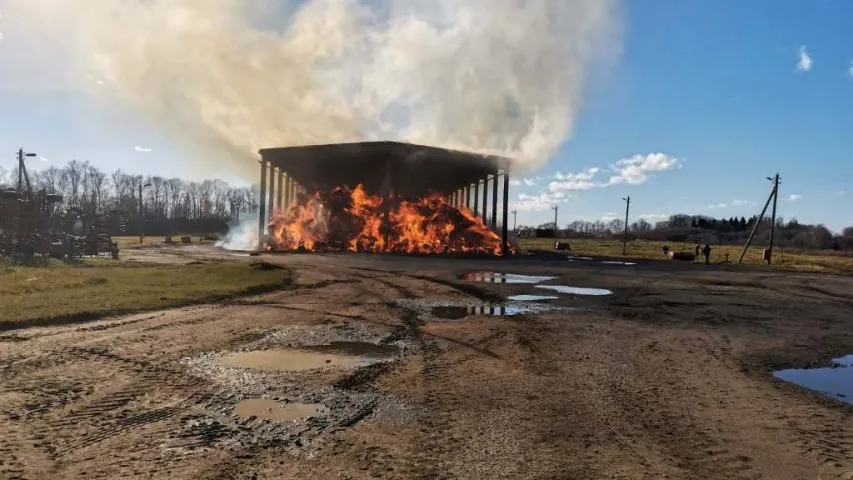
234	76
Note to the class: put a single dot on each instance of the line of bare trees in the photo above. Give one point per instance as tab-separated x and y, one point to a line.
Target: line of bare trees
704	229
166	204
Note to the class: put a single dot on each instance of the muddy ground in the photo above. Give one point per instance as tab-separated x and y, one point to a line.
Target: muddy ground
668	377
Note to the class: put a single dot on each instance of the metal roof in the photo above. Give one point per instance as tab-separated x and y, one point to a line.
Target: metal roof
411	170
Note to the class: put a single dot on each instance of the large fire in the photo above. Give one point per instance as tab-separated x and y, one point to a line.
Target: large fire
353	220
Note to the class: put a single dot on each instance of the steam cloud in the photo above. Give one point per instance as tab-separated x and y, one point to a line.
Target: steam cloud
493	76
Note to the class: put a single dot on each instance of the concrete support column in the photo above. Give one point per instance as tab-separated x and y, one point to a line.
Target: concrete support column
286	191
271	193
280	191
262	214
495	200
476	198
486	200
504	227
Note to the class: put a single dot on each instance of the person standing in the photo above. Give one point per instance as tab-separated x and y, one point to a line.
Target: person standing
707	252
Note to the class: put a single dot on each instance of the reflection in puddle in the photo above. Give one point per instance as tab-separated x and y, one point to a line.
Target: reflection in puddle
492	277
530	298
618	263
342	354
575	290
835	381
358	349
267	409
457	312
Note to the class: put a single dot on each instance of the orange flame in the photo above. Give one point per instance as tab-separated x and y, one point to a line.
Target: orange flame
356	221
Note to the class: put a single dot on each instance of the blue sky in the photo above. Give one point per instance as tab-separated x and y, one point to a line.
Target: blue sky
707	99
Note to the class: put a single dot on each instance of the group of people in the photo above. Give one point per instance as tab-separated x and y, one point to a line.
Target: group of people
706	251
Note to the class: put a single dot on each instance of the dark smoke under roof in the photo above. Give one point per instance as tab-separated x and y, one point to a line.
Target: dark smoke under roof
409	169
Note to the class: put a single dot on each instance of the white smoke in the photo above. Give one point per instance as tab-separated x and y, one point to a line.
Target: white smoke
242	235
494	76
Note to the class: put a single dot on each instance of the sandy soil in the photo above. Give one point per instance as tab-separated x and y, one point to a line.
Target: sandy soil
669	377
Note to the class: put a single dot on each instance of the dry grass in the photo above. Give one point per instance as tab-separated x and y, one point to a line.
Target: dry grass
101	287
815	261
133	241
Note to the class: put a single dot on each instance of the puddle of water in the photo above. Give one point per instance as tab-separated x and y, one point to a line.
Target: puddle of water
835	381
530	298
492	277
266	409
618	263
341	354
458	312
358	349
455	310
575	290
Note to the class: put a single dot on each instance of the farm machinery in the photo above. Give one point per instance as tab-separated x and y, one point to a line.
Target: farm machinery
32	223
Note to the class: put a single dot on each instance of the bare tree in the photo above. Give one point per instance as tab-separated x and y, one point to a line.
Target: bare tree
73	175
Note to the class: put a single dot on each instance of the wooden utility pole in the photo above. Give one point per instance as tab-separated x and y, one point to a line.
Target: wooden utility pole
514	213
555	208
141	211
23	176
775	181
758	222
21	168
625	239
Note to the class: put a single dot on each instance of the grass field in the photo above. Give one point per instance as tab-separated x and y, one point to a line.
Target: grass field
816	261
32	296
133	241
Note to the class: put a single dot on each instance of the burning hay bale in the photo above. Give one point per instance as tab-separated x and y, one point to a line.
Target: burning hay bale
356	221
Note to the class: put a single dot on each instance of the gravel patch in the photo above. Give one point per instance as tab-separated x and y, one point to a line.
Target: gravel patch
346	406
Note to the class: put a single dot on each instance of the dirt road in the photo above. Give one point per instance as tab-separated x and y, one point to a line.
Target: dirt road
668	377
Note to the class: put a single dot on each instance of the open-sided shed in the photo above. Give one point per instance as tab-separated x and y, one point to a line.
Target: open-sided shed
385	168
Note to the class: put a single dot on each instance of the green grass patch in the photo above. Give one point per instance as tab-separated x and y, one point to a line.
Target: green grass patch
825	261
62	292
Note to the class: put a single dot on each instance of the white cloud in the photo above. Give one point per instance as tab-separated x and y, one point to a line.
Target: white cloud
526	181
734	203
635	170
805	62
850	69
794	197
574	182
140	148
1	36
539	202
839	193
653	217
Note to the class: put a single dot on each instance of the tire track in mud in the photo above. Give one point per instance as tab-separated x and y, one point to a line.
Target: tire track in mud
830	442
823	436
666	421
427	459
110	416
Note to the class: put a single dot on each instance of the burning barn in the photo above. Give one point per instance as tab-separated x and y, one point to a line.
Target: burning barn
383	197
